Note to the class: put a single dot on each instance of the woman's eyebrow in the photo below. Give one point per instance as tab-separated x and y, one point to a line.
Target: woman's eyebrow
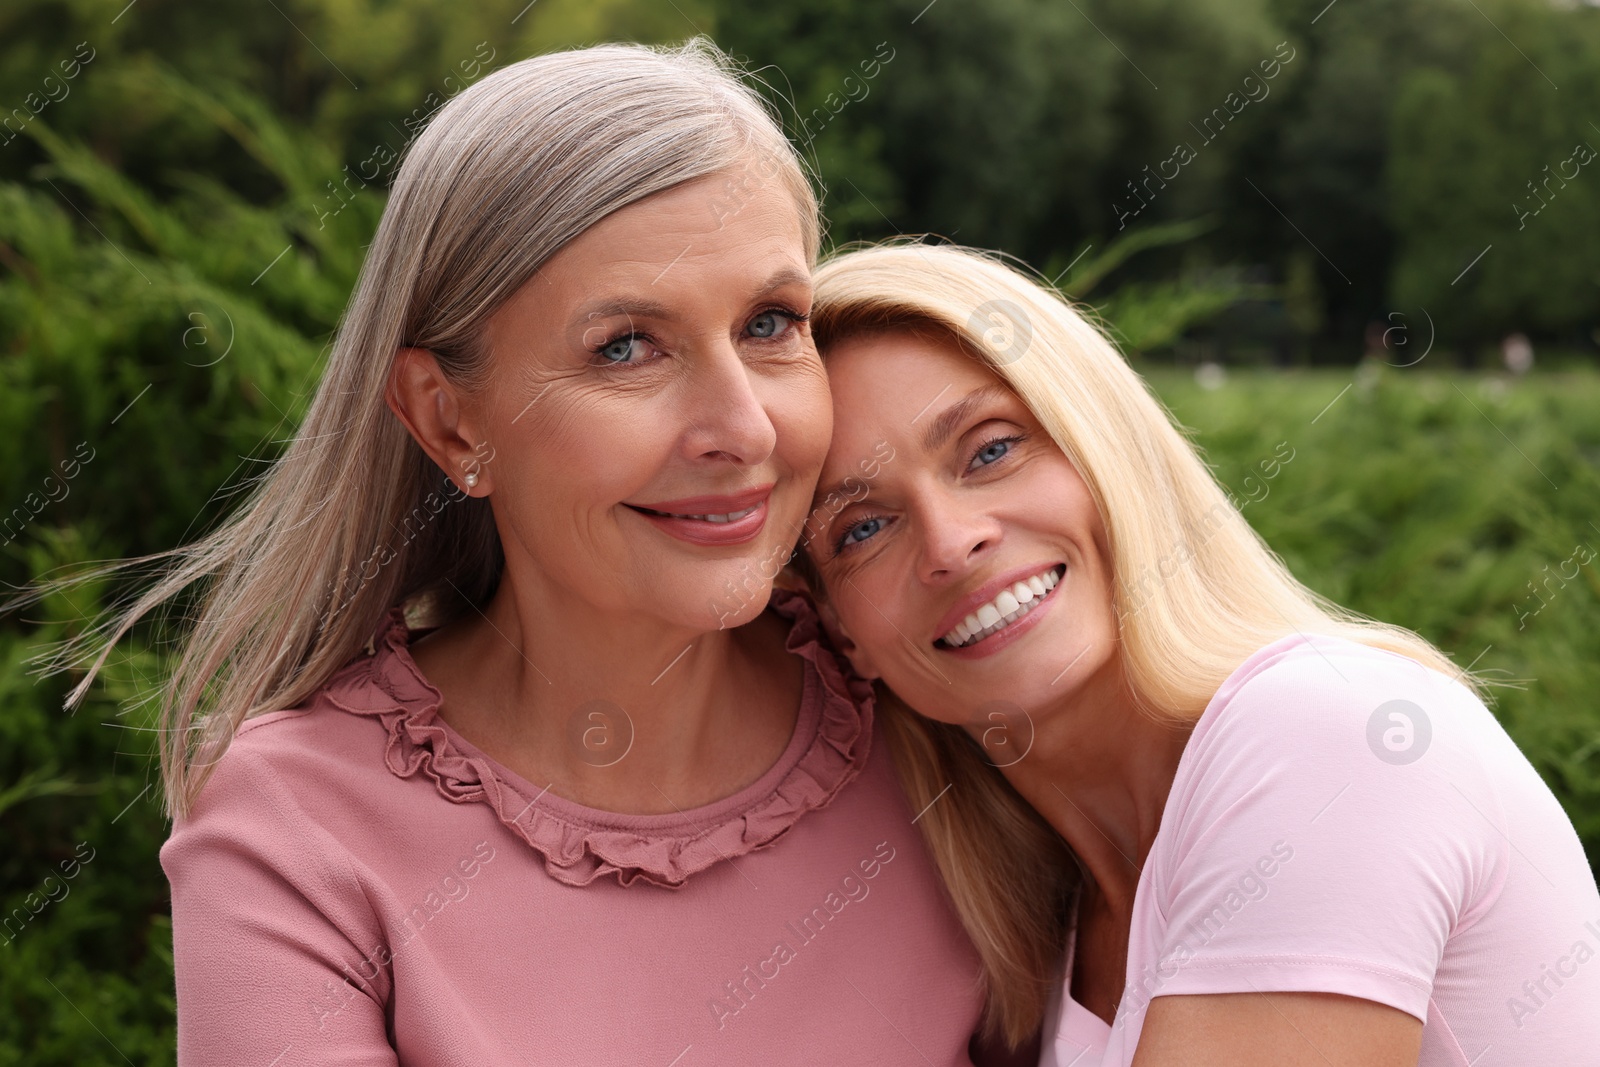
940	429
632	307
820	498
621	306
783	277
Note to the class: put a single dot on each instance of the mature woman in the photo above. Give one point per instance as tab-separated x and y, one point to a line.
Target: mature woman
487	747
1304	839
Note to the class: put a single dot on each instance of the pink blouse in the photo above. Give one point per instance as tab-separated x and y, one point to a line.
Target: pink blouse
360	885
1345	820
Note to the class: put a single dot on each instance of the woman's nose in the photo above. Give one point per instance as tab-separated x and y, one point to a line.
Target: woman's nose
955	537
727	414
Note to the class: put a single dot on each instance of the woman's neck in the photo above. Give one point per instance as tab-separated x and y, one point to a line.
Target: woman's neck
621	714
1099	771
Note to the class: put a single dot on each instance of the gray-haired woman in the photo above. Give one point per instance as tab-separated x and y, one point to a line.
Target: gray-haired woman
487	746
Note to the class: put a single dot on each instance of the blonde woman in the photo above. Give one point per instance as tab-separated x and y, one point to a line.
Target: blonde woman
487	747
1304	839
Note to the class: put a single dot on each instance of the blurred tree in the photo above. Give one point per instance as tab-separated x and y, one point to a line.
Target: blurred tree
1505	165
1302	296
973	128
1326	170
1017	124
348	71
1181	76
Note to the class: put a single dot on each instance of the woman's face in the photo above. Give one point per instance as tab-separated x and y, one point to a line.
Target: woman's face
658	414
961	551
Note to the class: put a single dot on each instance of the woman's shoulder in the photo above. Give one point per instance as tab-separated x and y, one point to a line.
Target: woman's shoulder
317	741
279	804
1362	802
1327	659
1311	721
1307	689
332	743
1362	755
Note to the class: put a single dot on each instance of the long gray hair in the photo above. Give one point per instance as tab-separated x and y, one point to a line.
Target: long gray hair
354	518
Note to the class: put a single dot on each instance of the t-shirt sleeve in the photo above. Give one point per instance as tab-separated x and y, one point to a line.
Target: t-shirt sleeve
278	957
1336	826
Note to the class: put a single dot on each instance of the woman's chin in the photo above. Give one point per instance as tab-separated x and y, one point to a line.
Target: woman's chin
732	612
1031	670
728	596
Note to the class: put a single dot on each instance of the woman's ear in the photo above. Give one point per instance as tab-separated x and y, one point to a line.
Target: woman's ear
841	640
422	398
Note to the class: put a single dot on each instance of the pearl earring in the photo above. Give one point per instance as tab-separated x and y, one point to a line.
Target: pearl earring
472	480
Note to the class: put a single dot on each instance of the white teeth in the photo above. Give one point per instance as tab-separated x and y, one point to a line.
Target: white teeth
732	516
1007	607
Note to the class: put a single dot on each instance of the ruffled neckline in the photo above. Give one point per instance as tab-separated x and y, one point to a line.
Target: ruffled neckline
829	748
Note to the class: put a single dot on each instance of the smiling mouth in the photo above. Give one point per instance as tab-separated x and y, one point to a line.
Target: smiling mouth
1008	606
732	516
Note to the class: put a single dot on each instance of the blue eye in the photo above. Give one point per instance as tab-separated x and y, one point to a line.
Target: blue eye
766	324
991	452
774	323
858	533
624	349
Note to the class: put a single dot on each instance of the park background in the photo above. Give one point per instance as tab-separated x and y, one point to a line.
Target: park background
1377	256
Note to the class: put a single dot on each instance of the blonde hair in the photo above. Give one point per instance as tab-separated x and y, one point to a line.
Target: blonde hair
354	518
1007	872
1196	591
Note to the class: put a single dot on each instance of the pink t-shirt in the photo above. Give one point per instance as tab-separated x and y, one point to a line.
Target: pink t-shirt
360	885
1345	820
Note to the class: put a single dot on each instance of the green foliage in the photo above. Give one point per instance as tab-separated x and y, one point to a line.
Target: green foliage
1146	315
1483	159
